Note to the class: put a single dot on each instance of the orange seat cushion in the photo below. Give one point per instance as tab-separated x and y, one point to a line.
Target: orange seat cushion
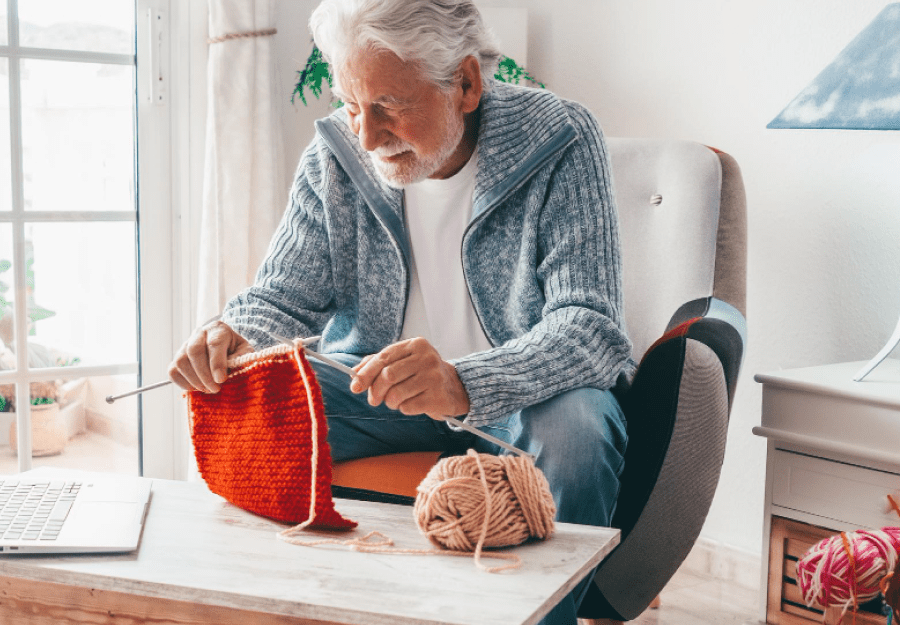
396	474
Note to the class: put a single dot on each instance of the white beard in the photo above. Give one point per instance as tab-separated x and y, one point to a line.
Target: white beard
413	168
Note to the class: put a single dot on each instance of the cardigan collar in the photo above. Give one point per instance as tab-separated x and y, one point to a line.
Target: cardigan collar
520	130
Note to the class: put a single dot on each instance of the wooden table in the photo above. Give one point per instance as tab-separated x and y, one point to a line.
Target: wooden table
202	560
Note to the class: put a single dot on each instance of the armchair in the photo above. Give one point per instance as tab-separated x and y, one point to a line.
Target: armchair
683	229
682	210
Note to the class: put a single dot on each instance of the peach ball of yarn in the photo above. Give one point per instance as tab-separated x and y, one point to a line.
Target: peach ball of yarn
454	496
826	576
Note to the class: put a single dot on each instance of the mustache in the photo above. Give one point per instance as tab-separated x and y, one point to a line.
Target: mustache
386	151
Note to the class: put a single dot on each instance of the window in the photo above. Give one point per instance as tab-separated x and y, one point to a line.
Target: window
85	249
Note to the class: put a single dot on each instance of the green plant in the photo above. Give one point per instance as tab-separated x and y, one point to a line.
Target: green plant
42	401
510	71
316	71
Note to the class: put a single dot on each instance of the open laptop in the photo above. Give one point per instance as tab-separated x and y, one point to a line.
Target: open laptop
78	514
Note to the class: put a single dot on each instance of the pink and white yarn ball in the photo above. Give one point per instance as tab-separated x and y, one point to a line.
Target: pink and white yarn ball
827	575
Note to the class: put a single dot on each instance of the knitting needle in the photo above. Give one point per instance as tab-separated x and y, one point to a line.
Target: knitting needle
111	398
488	437
460	424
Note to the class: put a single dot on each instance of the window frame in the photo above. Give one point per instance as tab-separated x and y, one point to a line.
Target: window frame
170	175
166	155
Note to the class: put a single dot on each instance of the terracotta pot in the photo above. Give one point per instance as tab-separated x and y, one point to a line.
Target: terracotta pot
48	432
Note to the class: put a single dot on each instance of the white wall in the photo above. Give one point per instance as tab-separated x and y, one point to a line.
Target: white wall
824	206
293	44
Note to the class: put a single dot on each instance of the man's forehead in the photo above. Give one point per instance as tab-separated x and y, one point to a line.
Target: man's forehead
381	76
380	98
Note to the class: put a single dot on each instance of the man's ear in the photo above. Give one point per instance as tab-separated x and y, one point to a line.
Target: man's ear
470	83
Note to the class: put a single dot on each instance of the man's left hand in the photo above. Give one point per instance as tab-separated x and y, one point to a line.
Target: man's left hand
410	376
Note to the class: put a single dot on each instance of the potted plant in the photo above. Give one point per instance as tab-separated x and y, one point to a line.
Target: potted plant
48	430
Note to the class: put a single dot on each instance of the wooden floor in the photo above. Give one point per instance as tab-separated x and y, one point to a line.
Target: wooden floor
691	599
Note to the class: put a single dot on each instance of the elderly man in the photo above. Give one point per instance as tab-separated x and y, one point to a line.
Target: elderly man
453	239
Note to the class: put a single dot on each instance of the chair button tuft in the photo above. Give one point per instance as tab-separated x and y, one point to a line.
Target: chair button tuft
656	200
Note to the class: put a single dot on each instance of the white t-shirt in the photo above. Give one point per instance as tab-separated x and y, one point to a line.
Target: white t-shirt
439	308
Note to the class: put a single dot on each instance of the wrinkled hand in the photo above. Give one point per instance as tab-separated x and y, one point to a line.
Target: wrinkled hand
411	377
202	362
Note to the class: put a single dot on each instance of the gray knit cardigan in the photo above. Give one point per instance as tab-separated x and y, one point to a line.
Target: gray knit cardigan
541	255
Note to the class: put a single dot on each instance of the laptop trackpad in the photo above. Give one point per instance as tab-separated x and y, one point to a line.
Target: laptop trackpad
106	514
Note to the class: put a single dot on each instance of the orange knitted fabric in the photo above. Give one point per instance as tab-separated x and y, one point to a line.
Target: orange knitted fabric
261	441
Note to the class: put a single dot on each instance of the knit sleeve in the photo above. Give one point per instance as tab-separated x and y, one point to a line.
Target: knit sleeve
292	294
580	340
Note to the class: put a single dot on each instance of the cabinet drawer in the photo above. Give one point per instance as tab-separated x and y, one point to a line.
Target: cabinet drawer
834	490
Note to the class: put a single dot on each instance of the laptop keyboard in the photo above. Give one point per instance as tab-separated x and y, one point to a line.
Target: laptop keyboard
35	510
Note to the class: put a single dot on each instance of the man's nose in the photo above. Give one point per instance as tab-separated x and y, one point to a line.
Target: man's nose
370	131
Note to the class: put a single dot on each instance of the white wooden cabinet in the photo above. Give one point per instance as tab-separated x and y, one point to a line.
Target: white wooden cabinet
833	458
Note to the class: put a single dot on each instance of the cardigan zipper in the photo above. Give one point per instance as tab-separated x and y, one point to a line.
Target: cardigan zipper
392	225
532	164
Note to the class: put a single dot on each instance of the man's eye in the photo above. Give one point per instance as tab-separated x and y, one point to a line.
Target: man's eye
386	110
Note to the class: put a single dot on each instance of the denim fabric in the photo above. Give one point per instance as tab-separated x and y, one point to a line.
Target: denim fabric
578	439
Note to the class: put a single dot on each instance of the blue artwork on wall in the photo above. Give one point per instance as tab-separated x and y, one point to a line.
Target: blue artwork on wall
860	90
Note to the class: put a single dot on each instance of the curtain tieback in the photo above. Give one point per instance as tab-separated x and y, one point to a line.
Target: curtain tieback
245	35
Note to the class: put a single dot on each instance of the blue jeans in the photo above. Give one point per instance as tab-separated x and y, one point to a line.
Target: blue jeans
578	439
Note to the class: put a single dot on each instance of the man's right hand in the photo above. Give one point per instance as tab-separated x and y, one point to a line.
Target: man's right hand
202	362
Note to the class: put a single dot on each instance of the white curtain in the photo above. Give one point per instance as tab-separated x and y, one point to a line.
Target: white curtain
243	190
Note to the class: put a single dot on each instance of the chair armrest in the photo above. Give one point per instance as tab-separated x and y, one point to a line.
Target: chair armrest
717	324
677	410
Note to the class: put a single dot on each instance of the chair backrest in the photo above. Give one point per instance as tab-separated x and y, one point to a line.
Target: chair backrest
683	227
680	241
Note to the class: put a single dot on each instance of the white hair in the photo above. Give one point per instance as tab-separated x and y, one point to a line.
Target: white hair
436	35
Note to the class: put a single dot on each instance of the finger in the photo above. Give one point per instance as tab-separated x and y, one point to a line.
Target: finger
423	403
396	380
245	348
443	395
198	354
373	366
219	340
181	371
362	362
355	384
404	391
178	379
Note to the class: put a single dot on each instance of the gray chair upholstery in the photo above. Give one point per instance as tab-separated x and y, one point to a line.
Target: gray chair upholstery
683	225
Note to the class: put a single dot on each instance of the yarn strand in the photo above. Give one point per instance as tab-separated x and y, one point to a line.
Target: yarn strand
376	542
852	568
314	460
487	514
466	506
894	504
